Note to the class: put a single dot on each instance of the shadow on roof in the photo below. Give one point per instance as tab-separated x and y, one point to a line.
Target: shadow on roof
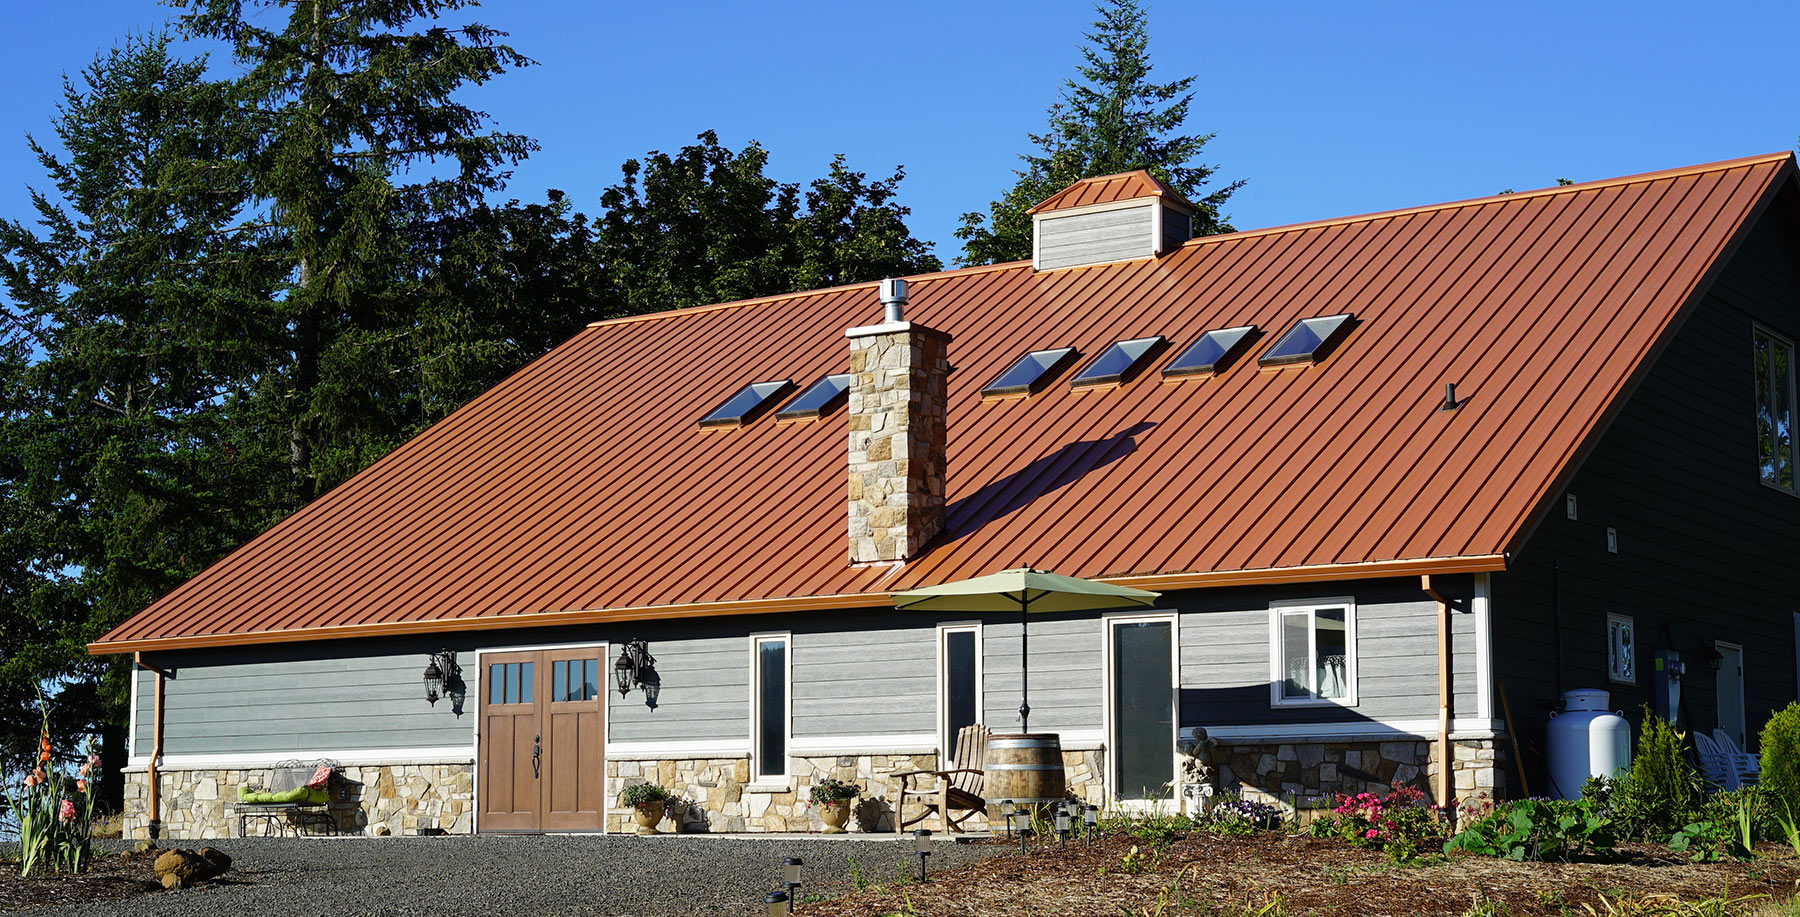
1012	492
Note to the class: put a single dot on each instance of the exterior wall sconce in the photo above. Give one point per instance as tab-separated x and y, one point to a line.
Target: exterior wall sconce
443	678
1715	660
636	668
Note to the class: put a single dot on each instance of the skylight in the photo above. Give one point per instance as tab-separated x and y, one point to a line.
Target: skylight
819	399
1307	341
1026	375
1212	353
1118	364
743	407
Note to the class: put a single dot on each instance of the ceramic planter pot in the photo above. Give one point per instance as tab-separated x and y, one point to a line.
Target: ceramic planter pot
648	815
835	814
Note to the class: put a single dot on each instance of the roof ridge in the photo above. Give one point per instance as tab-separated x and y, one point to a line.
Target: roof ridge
1701	169
776	297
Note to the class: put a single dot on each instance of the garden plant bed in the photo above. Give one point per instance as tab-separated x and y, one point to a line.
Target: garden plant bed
1232	875
111	877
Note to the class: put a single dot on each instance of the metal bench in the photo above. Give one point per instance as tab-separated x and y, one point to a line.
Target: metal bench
280	817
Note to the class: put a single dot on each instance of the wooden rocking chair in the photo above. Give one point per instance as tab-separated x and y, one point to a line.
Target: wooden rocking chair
957	788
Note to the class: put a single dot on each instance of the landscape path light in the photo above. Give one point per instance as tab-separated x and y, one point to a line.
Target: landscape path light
1090	817
1006	815
790	878
922	843
1020	821
777	903
1062	824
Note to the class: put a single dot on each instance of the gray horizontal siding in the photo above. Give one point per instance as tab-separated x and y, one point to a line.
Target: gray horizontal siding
1091	238
1066	689
1225	644
869	672
276	700
876	681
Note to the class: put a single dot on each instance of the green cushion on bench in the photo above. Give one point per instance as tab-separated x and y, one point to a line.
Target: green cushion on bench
305	796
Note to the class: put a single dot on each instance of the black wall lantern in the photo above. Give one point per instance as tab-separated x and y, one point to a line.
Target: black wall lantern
443	678
636	668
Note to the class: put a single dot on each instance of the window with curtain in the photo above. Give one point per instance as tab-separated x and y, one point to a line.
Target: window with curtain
1313	654
1774	359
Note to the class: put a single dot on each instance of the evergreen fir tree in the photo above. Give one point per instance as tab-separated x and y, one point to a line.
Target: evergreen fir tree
1112	119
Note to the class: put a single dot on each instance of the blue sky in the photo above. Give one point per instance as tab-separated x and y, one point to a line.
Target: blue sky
1327	109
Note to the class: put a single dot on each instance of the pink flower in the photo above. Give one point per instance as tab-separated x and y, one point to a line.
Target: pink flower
93	760
83	771
1371	833
41	776
30	781
66	812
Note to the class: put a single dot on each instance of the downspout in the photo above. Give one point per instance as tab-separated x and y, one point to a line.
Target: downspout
154	806
1446	782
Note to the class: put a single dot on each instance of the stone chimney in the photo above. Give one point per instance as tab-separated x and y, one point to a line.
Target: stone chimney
897	433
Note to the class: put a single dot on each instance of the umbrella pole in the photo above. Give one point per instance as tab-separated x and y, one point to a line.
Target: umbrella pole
1024	665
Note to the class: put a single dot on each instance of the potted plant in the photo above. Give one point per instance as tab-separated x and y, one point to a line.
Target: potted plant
647	801
833	797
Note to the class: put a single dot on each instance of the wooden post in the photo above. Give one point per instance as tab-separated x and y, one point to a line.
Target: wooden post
1446	768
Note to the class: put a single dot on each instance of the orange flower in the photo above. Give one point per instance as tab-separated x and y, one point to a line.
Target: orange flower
81	786
44	756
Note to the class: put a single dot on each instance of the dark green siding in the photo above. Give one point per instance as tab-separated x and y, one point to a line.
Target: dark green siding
1706	551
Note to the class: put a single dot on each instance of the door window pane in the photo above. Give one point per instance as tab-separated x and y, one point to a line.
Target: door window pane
771	713
497	683
959	684
559	681
512	682
590	681
526	680
1144	709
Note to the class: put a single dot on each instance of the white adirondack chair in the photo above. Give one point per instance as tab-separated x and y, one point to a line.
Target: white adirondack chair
1716	766
1747	766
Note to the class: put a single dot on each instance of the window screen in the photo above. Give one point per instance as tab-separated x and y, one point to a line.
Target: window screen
959	683
1309	340
744	406
1029	374
771	708
1118	363
1212	353
819	399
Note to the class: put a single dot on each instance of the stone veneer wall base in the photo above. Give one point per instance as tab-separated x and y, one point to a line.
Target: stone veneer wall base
402	798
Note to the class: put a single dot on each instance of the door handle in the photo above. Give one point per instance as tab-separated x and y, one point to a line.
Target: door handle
537	752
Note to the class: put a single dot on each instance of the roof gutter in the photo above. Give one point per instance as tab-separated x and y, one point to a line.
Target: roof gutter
1475	563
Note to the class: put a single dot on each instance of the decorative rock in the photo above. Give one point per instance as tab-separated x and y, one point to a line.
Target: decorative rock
187	868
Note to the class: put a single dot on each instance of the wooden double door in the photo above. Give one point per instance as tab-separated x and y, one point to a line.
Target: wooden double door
543	729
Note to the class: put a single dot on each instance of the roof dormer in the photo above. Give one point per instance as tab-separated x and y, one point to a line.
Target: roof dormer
1106	218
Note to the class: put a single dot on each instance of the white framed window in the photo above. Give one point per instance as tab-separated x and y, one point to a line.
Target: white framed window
1621	649
771	707
959	683
1312	653
1774	367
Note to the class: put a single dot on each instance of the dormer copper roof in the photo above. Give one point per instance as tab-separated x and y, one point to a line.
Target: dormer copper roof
1107	189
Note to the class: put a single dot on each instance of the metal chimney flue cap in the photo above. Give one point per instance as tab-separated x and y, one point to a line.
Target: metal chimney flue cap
893	298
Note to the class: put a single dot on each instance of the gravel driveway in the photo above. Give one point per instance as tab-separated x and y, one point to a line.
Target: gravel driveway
608	875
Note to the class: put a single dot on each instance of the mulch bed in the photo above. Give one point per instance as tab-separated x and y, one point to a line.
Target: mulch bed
1236	875
113	876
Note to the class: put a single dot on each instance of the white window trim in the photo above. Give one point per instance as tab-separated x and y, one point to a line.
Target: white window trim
1793	390
1110	676
758	781
946	742
1611	673
1278	676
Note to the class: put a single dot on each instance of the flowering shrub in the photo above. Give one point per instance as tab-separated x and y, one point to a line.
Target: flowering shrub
55	813
1237	815
1399	824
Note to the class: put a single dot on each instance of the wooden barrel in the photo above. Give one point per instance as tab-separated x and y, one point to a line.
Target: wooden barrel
1023	768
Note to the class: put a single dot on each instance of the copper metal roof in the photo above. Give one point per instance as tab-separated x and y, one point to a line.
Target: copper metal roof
1105	189
581	489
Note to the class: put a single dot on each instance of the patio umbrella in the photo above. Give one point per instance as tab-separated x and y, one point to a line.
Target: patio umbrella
1024	590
